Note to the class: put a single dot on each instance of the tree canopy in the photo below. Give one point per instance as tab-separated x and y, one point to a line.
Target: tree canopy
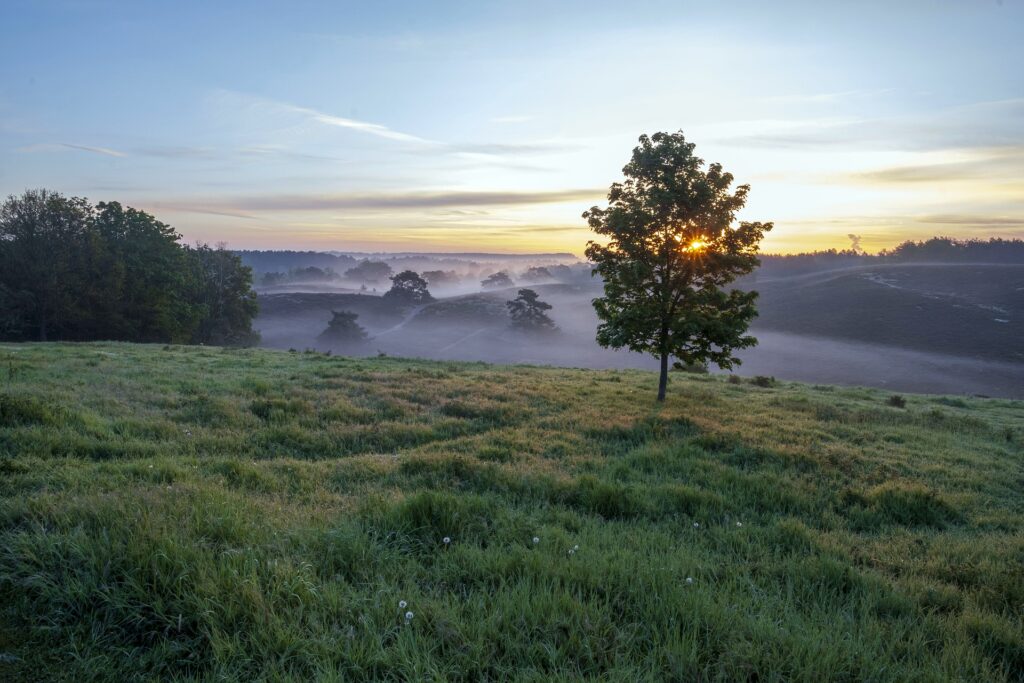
73	271
369	271
408	289
343	329
499	280
528	312
671	249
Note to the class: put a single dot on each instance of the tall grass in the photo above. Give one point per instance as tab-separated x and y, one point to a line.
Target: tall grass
175	513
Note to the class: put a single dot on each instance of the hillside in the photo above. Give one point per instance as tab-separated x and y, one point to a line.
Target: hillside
210	514
969	310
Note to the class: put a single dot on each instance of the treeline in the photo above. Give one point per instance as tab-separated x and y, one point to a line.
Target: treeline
74	271
934	250
285	261
949	250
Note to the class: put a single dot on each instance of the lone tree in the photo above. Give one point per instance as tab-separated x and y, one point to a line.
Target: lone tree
408	289
343	329
672	248
527	312
499	280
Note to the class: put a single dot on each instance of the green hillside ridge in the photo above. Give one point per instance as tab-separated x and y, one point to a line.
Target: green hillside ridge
191	513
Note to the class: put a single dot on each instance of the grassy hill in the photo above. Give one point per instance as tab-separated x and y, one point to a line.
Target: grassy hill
205	514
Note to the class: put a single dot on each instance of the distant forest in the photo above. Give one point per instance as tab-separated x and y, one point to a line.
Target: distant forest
934	250
278	267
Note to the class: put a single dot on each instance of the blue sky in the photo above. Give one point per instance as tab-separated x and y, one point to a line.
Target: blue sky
486	126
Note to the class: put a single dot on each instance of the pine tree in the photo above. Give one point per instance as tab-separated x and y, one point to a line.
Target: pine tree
528	312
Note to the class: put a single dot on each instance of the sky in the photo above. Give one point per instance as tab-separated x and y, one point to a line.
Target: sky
477	126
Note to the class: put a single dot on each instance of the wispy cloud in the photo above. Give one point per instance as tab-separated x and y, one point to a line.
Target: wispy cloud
988	163
376	129
60	146
982	220
246	206
981	124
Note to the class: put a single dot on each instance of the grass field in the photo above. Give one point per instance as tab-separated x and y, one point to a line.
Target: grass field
204	514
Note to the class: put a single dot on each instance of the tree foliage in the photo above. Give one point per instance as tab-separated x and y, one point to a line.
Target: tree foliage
369	271
73	271
343	329
408	289
671	251
499	280
528	312
441	277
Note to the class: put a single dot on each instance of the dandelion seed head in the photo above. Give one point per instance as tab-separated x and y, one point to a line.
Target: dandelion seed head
689	580
696	525
446	540
408	616
536	540
402	604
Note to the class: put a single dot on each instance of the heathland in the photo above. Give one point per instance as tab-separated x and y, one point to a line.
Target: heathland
191	513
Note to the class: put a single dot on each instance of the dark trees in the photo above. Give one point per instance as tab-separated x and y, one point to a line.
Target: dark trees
369	271
343	330
73	271
408	289
43	237
438	278
671	251
528	314
222	297
499	280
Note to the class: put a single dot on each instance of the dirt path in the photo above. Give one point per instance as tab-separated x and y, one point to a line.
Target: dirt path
412	314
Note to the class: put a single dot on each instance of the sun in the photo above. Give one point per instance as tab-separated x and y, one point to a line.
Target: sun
697	245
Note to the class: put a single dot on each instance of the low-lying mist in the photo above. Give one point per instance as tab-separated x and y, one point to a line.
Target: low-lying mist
893	329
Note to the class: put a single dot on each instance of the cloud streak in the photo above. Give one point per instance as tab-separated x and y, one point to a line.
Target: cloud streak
59	146
246	206
375	129
981	124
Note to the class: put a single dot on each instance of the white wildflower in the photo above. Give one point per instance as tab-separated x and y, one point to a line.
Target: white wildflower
689	580
446	540
408	617
402	604
536	540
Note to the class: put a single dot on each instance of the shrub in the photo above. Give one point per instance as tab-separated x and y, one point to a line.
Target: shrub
897	401
735	379
763	381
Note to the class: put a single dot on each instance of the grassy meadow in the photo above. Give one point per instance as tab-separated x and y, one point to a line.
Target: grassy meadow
189	513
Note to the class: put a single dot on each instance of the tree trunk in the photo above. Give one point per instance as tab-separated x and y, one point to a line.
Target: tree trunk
663	380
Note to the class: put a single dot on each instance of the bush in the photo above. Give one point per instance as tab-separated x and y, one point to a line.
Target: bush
735	379
897	401
763	381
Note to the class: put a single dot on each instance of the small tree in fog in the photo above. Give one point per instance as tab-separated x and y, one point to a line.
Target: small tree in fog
671	251
536	274
343	330
528	312
408	289
499	280
437	278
